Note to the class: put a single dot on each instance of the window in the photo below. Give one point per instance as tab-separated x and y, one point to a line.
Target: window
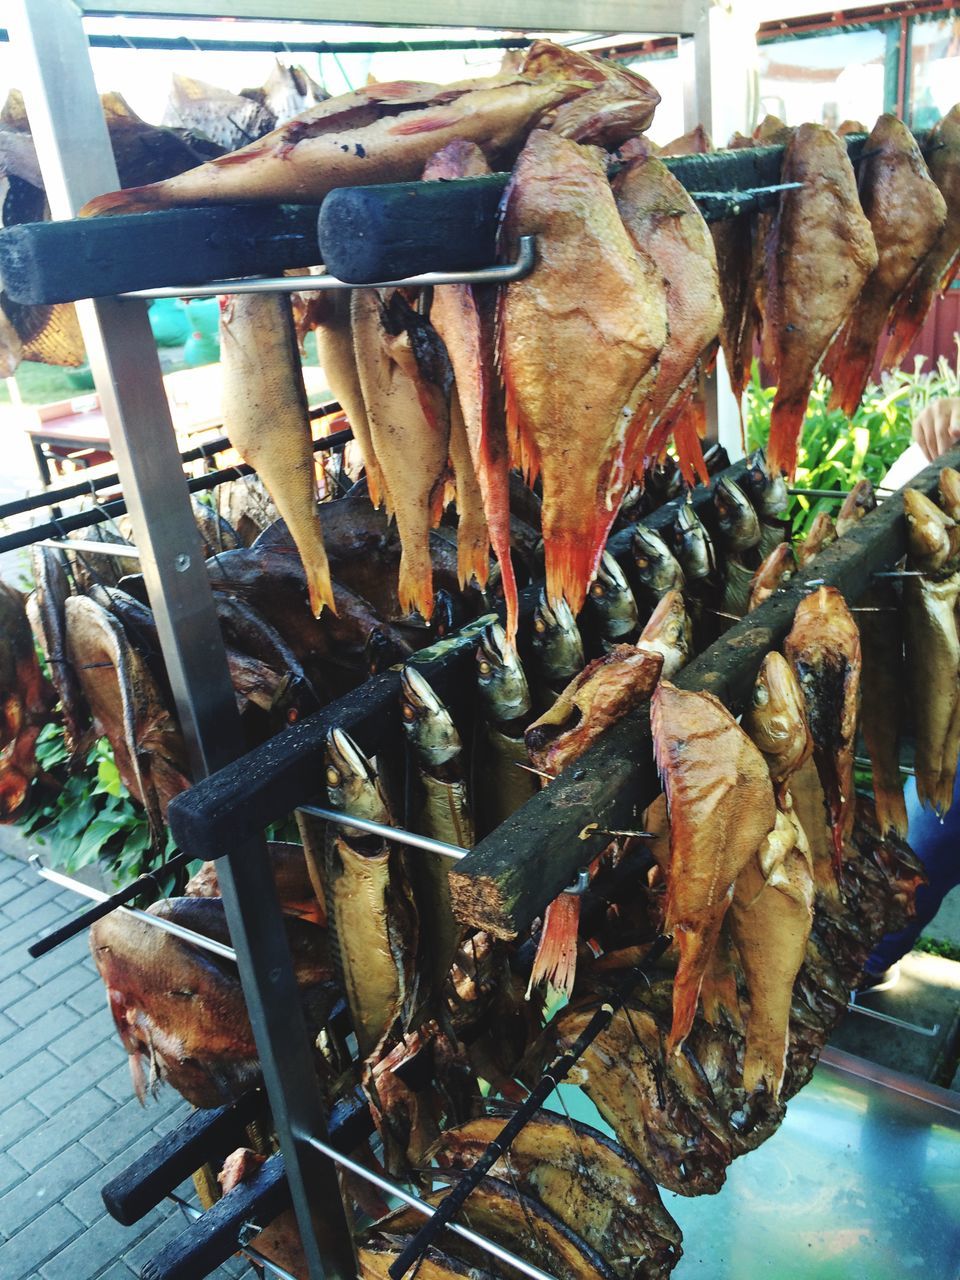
829	78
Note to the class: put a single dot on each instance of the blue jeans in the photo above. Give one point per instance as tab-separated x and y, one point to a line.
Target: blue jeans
937	845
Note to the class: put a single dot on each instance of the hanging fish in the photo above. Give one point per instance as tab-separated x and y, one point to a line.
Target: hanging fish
821	533
557	647
881	711
823	648
860	501
736	517
606	340
931	533
822	253
939	267
692	545
721	808
464	317
45	610
770	498
611	604
777	570
669	632
25	702
265	417
500	785
618	104
657	569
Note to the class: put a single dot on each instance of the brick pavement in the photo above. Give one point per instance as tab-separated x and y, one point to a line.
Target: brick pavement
68	1117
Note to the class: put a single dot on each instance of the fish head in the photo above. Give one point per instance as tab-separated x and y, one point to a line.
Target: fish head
381	651
928	530
443	621
776	570
692	544
668	632
657	567
736	516
556	639
859	501
611	600
352	782
767	492
950	492
500	677
822	532
426	721
776	717
613	103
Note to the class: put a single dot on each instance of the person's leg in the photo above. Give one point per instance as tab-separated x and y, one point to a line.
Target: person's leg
937	845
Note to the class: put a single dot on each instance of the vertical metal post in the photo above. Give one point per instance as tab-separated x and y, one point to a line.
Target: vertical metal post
77	163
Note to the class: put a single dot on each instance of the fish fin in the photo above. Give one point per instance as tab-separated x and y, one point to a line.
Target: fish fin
786	424
432	120
130	200
572	557
764	1065
696	944
850	376
891	810
689	428
318	579
415	588
556	958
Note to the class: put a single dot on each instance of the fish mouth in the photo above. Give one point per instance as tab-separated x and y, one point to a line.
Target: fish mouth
346	756
504	683
610	575
545	731
427	720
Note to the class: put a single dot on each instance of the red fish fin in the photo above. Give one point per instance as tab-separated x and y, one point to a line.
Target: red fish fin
432	120
951	273
850	376
696	946
130	200
689	428
786	425
556	958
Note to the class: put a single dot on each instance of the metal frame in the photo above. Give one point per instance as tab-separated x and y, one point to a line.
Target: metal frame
77	163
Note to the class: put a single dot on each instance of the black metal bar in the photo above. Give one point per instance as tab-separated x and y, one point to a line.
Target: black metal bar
142	884
181	44
452	1203
110	510
51	497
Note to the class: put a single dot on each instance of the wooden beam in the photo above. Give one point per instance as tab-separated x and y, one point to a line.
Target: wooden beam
511	876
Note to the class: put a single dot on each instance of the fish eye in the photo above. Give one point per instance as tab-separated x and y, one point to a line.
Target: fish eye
484	668
333	776
642	562
597	590
409	713
761	696
539	626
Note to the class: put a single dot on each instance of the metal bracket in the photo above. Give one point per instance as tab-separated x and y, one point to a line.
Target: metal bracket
853	1007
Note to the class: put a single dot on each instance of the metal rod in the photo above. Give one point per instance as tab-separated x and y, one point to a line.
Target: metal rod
427	1210
181	44
110	510
193	1213
558	1069
526	260
149	880
397	834
864	763
166	926
86	489
853	1007
121	549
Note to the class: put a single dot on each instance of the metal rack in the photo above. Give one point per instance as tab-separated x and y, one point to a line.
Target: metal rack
76	162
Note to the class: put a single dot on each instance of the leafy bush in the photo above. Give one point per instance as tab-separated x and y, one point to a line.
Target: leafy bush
92	817
835	451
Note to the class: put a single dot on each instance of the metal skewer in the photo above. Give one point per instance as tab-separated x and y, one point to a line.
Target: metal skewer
396	834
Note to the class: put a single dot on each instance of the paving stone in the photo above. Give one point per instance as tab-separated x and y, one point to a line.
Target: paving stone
85	1035
153	1242
90	999
17	1121
22	1255
22	1080
41	1034
37	894
57	991
14	988
106	1238
10	1174
49	1184
118	1084
73	1079
86	1201
72	953
7	1026
63	1129
113	1134
10	888
20	932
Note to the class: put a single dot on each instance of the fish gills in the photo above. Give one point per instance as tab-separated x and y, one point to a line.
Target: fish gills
907	213
822	251
721	806
933	663
265	417
576	364
668	230
939	267
823	648
883	679
409	419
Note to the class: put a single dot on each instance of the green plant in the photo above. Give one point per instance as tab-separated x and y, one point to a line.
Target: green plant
835	451
938	947
89	816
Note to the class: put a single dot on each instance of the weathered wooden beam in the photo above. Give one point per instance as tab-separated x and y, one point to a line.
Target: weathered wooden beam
510	877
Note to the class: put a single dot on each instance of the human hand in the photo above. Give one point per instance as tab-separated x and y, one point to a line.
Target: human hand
937	427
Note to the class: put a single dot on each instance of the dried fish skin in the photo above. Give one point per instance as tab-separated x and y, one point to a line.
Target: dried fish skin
776	721
26	699
775	571
883	679
577	365
932	650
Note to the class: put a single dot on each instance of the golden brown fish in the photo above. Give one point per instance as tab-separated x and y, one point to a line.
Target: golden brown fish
932	650
464	317
265	417
906	213
406	381
821	533
668	631
881	711
823	648
930	532
473	537
859	502
695	141
821	252
379	133
948	492
778	568
26	700
721	808
776	721
618	104
576	430
667	228
939	267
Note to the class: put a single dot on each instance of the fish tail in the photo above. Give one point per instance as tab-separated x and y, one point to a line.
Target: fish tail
318	581
556	958
473	556
415	584
786	423
572	556
696	945
891	810
130	200
688	430
764	1064
909	313
850	375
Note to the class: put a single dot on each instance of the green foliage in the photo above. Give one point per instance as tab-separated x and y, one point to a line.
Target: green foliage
91	817
938	947
835	451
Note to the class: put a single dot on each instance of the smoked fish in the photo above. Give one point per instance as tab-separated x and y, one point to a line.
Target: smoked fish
45	610
821	253
932	651
722	807
618	105
881	713
407	381
265	417
859	502
939	267
776	721
906	212
823	648
577	364
777	569
26	699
